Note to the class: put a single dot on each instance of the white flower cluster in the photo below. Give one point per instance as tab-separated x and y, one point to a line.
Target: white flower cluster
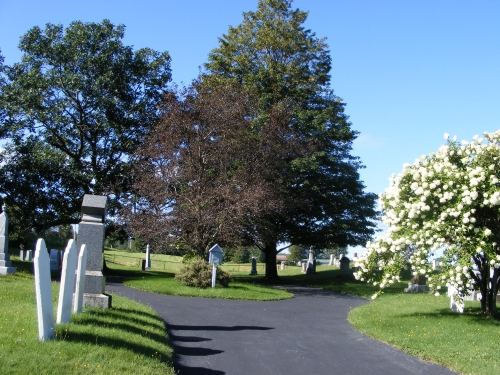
447	200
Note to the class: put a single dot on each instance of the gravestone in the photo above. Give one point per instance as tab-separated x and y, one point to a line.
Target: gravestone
331	260
29	256
304	267
43	292
417	284
67	283
311	265
21	255
345	269
55	260
5	263
254	267
282	266
147	266
91	234
80	280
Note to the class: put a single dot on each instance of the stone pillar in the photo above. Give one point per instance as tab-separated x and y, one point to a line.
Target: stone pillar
311	264
254	267
91	234
5	263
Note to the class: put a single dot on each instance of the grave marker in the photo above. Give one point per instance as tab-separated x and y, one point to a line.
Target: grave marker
80	280
254	267
43	292
67	283
91	233
5	263
55	260
148	258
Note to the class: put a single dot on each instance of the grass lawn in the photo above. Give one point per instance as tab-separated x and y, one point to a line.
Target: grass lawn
423	326
164	283
126	339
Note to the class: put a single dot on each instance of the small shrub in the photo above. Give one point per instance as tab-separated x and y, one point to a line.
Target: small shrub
198	273
188	258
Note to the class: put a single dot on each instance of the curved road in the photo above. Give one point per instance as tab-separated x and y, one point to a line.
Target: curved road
306	335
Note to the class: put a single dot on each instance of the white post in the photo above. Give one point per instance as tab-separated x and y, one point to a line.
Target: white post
214	274
148	258
67	283
43	292
80	280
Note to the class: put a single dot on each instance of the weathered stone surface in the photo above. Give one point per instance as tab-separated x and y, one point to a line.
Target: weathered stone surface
43	292
91	234
94	205
67	283
5	264
80	280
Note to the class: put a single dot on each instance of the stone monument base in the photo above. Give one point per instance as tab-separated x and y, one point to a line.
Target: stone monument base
7	270
102	301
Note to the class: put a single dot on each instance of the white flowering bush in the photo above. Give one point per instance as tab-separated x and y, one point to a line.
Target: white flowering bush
446	200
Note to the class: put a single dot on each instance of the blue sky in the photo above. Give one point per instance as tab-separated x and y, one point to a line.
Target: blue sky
409	71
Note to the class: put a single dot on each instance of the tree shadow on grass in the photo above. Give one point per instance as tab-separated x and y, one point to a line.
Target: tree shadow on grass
128	328
119	343
473	313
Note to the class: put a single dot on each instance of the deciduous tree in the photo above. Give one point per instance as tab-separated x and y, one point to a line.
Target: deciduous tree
273	56
450	201
78	103
202	173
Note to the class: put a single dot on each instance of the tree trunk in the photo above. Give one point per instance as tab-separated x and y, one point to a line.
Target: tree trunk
483	287
492	294
271	270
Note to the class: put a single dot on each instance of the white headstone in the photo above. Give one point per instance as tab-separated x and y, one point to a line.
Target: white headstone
29	255
21	255
43	292
331	260
148	258
67	283
80	280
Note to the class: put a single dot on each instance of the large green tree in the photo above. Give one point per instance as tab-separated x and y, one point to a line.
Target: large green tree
75	108
277	59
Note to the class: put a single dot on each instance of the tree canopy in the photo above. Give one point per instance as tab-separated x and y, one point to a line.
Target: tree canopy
75	108
276	59
449	201
202	173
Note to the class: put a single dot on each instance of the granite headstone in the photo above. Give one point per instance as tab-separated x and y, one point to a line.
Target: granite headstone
91	234
5	263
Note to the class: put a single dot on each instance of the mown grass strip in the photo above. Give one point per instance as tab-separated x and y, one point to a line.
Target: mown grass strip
424	326
126	339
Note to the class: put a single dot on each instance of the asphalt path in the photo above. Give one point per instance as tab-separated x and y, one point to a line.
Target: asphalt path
306	335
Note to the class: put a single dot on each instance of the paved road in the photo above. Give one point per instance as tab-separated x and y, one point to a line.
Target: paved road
305	335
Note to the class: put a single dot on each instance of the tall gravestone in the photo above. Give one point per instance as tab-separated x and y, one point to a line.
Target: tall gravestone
67	285
5	264
80	280
311	262
43	292
91	234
